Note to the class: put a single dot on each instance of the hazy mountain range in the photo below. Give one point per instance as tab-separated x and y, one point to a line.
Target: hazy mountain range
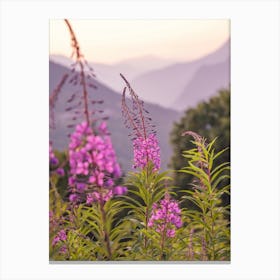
171	84
109	74
167	87
163	118
207	80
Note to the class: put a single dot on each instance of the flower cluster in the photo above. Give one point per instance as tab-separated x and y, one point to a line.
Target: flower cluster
53	162
146	150
61	236
166	217
145	143
52	220
93	164
52	158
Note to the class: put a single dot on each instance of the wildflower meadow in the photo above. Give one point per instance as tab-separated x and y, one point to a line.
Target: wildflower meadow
99	212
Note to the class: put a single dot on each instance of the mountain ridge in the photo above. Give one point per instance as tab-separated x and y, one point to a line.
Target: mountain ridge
163	118
206	82
171	80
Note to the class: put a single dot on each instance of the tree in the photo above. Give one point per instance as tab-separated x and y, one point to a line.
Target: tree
209	119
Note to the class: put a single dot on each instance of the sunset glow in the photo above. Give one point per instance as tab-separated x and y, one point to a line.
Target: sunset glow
110	41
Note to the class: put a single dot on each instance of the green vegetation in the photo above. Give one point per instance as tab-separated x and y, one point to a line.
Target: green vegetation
210	119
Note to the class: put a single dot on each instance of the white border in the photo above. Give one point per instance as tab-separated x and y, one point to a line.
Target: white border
255	138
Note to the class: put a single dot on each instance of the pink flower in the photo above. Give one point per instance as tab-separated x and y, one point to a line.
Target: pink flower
61	236
81	187
71	181
60	171
52	158
96	196
170	233
120	190
166	217
91	197
107	195
100	177
92	161
73	197
146	150
55	240
63	249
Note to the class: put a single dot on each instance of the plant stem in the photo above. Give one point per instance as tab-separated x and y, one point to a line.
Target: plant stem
191	252
106	235
80	61
146	228
147	207
162	244
212	235
164	233
211	215
85	93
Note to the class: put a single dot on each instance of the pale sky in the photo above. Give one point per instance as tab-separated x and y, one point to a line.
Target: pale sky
110	41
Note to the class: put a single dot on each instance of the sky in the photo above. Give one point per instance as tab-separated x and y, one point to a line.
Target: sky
111	41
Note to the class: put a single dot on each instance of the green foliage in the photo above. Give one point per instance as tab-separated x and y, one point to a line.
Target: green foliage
64	217
110	233
61	182
93	232
146	187
101	233
210	119
209	223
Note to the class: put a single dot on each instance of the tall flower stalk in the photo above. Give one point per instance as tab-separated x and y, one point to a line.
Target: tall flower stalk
81	77
93	164
165	218
146	184
208	188
143	134
79	58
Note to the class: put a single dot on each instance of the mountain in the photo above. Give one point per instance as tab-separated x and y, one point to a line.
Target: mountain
164	86
162	117
146	63
109	74
204	84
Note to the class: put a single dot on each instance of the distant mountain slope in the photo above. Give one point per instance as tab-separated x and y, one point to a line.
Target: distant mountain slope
164	86
205	83
146	63
162	117
109	74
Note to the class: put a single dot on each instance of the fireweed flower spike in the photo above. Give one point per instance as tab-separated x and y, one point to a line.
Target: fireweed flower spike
61	236
93	169
93	165
200	141
145	143
82	78
146	150
166	217
92	159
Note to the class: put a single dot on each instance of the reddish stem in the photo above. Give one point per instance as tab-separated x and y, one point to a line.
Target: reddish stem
140	109
79	59
128	113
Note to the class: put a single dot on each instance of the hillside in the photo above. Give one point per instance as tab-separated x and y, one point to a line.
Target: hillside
164	86
205	83
162	117
108	74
